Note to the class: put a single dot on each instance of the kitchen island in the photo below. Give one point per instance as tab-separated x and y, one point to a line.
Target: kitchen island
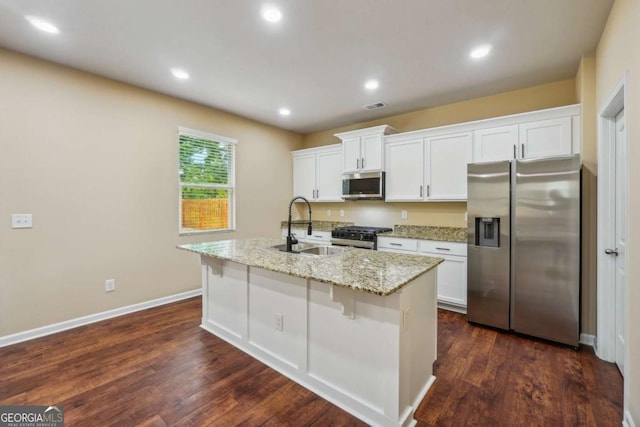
357	328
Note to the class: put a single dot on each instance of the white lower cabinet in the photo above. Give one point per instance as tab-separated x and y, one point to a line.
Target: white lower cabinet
452	273
320	237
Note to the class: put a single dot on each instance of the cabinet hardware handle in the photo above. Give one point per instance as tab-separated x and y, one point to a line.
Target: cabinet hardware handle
317	193
362	163
357	163
522	145
421	191
395	244
611	251
443	249
428	190
514	151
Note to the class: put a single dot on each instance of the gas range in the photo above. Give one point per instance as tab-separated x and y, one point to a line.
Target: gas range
358	236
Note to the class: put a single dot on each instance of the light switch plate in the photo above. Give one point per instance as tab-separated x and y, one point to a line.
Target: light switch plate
403	214
21	221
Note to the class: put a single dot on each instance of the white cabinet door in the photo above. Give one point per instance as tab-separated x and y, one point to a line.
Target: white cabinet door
371	153
328	176
545	138
495	144
404	171
304	176
452	279
351	154
446	162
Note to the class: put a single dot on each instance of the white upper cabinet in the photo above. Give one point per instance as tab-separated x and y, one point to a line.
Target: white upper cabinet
495	144
433	169
317	174
329	176
304	176
362	149
545	138
530	138
404	171
446	158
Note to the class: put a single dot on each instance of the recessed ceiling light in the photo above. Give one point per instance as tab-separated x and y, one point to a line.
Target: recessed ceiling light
271	13
480	51
371	84
42	24
179	74
284	111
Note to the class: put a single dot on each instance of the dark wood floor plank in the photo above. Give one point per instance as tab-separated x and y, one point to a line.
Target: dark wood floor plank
158	368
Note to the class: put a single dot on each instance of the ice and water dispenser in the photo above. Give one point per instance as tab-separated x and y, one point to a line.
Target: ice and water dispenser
488	231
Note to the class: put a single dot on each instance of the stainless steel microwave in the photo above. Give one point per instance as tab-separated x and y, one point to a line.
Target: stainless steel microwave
363	186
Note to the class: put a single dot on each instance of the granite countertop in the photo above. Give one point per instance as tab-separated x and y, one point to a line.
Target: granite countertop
380	273
429	232
317	225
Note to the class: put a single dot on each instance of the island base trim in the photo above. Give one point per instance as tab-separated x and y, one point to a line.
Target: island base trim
341	399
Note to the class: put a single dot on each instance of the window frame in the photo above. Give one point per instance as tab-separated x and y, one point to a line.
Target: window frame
230	186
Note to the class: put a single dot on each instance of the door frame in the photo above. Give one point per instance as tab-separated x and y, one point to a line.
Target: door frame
606	300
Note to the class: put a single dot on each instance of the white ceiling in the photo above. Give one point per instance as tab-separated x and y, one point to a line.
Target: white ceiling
316	60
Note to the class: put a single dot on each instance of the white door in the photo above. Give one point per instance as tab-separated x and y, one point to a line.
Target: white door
304	176
371	153
351	155
446	159
404	171
495	144
546	138
621	225
329	177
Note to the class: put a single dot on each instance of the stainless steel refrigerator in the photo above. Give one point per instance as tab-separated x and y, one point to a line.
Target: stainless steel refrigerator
524	246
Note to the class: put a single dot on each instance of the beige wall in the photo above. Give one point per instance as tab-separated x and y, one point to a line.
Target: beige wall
585	93
95	162
617	53
518	101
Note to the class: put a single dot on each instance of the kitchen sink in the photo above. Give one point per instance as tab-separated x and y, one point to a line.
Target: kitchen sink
325	250
304	248
296	248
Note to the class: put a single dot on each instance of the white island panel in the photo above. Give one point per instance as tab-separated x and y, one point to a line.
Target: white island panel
348	351
225	296
274	295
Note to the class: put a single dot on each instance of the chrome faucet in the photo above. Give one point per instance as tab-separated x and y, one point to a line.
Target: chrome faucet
291	240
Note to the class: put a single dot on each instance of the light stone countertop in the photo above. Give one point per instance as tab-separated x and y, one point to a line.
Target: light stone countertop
380	273
428	232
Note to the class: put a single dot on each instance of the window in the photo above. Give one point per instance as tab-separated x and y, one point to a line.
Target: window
207	182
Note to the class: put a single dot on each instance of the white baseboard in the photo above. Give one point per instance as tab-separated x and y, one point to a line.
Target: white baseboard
628	420
587	339
92	318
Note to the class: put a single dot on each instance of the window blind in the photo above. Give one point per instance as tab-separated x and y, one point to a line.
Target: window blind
207	181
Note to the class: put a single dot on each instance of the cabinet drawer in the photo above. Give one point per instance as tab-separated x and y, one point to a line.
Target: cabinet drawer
398	243
444	248
318	236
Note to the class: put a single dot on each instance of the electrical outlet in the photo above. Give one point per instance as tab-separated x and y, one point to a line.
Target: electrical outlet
279	318
341	213
110	285
21	221
403	214
465	217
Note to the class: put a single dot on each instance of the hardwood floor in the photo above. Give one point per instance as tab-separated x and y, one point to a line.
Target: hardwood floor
158	368
491	378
